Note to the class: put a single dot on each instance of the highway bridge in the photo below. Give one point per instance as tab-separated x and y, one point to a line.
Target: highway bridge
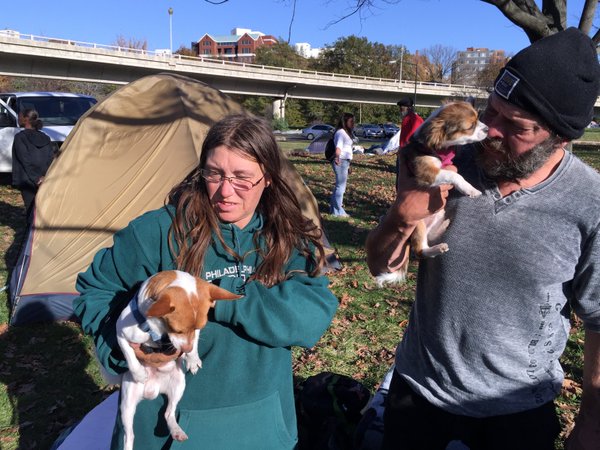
42	57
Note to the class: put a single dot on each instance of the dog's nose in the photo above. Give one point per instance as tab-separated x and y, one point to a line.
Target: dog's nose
186	347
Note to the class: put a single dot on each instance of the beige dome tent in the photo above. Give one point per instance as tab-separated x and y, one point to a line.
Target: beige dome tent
121	160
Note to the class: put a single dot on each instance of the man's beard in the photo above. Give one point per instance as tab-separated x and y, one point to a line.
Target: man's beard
500	163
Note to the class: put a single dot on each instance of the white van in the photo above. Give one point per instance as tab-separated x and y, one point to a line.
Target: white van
58	111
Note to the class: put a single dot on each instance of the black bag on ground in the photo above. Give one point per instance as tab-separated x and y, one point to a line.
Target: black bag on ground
329	407
330	150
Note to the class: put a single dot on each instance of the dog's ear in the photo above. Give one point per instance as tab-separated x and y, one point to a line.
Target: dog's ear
152	287
432	133
161	307
218	293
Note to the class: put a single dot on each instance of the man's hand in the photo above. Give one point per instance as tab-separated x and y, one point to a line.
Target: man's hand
586	434
414	203
154	359
386	244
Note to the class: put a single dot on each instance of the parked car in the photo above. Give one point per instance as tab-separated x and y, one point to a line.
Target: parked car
314	131
58	111
369	130
389	129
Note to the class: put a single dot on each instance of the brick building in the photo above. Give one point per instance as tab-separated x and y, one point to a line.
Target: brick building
240	45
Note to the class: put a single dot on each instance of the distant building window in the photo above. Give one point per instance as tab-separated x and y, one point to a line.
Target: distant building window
206	43
245	50
246	42
207	52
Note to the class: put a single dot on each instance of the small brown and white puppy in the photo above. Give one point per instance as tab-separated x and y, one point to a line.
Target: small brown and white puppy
170	304
431	149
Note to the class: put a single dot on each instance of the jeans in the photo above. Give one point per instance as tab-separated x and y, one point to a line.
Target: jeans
412	423
341	178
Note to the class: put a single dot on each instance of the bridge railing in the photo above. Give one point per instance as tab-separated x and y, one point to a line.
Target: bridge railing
167	56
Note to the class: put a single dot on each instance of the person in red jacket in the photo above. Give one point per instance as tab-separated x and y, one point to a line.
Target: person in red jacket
410	122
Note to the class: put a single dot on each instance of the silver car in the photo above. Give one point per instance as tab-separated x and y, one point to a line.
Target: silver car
314	131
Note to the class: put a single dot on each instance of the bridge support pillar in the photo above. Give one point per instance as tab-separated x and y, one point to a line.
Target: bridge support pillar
279	109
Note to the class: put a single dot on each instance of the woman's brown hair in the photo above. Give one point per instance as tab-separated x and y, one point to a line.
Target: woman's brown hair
284	229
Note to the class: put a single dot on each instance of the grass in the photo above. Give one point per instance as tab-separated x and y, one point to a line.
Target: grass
49	378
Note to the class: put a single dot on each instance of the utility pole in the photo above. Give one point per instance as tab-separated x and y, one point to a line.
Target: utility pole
171	30
416	72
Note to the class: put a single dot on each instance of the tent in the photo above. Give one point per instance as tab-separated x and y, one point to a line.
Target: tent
121	160
393	144
318	144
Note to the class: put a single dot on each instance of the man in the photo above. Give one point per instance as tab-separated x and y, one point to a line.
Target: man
410	122
478	361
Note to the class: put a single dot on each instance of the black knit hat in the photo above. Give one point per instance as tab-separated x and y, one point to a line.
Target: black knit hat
406	101
556	78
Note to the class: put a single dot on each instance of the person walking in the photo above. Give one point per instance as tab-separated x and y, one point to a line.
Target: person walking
32	154
343	140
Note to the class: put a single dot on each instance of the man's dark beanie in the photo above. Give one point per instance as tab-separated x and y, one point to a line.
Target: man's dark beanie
406	101
556	78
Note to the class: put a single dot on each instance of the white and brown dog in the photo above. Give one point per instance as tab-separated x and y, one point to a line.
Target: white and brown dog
171	305
431	149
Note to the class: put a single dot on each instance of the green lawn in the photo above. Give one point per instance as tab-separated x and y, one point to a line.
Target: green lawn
49	378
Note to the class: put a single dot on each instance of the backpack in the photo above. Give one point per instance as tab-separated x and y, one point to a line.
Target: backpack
329	407
330	150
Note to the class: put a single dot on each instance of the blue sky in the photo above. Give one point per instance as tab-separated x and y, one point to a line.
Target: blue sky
417	24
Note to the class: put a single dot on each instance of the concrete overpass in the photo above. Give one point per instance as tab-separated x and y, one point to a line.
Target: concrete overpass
43	57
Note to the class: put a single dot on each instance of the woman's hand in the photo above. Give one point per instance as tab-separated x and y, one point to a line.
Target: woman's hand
338	153
154	359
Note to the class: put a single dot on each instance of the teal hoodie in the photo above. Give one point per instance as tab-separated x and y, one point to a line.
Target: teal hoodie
242	398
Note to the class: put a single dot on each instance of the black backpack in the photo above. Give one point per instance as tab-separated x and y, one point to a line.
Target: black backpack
330	150
329	407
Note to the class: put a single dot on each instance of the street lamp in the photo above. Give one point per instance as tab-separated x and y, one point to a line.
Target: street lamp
171	30
416	64
416	72
394	61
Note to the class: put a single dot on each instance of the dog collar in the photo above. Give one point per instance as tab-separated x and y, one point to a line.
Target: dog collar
142	322
447	155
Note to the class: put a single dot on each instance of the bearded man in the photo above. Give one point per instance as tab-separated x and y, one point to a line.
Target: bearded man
479	360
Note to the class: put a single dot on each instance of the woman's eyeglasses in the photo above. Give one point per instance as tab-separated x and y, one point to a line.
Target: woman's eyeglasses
239	184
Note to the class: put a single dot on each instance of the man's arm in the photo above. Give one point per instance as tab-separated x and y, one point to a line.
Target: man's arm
586	434
386	244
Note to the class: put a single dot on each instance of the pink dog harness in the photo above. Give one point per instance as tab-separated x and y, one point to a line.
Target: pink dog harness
446	155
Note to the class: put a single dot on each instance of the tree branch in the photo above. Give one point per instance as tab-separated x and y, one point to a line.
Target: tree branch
587	16
291	21
526	15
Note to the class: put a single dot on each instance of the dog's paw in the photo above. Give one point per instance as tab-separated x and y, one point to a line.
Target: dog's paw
473	193
192	363
435	250
178	434
390	278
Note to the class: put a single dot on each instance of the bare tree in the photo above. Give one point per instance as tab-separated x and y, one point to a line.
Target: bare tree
440	59
134	44
525	14
550	19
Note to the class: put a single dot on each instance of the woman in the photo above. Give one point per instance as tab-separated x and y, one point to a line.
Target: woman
341	163
32	154
235	221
